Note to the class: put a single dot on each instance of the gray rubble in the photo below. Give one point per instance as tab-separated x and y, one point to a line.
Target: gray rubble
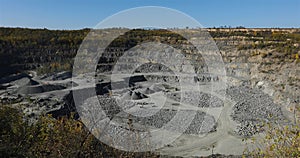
252	109
196	98
201	124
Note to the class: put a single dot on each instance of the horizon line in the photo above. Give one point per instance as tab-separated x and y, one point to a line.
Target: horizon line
214	27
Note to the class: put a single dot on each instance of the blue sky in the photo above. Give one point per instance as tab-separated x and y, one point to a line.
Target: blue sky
76	14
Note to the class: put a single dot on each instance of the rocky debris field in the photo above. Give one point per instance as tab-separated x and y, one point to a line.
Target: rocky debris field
34	106
266	60
253	108
35	96
201	124
56	76
39	89
52	95
198	99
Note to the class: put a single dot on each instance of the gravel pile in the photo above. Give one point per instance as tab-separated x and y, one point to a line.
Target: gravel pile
39	89
201	123
117	135
249	128
57	76
207	78
153	67
25	81
199	99
7	98
252	108
162	78
133	95
12	78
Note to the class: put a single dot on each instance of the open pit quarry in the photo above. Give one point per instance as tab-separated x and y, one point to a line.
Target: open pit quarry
258	86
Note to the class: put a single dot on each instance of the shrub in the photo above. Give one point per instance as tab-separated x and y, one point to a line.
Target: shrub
49	137
279	141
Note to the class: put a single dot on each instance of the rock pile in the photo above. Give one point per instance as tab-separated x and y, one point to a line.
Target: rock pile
201	124
25	81
39	89
133	95
199	99
153	67
252	108
57	76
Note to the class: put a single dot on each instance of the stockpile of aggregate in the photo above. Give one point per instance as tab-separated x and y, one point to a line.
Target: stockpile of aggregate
201	124
252	109
199	99
39	88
